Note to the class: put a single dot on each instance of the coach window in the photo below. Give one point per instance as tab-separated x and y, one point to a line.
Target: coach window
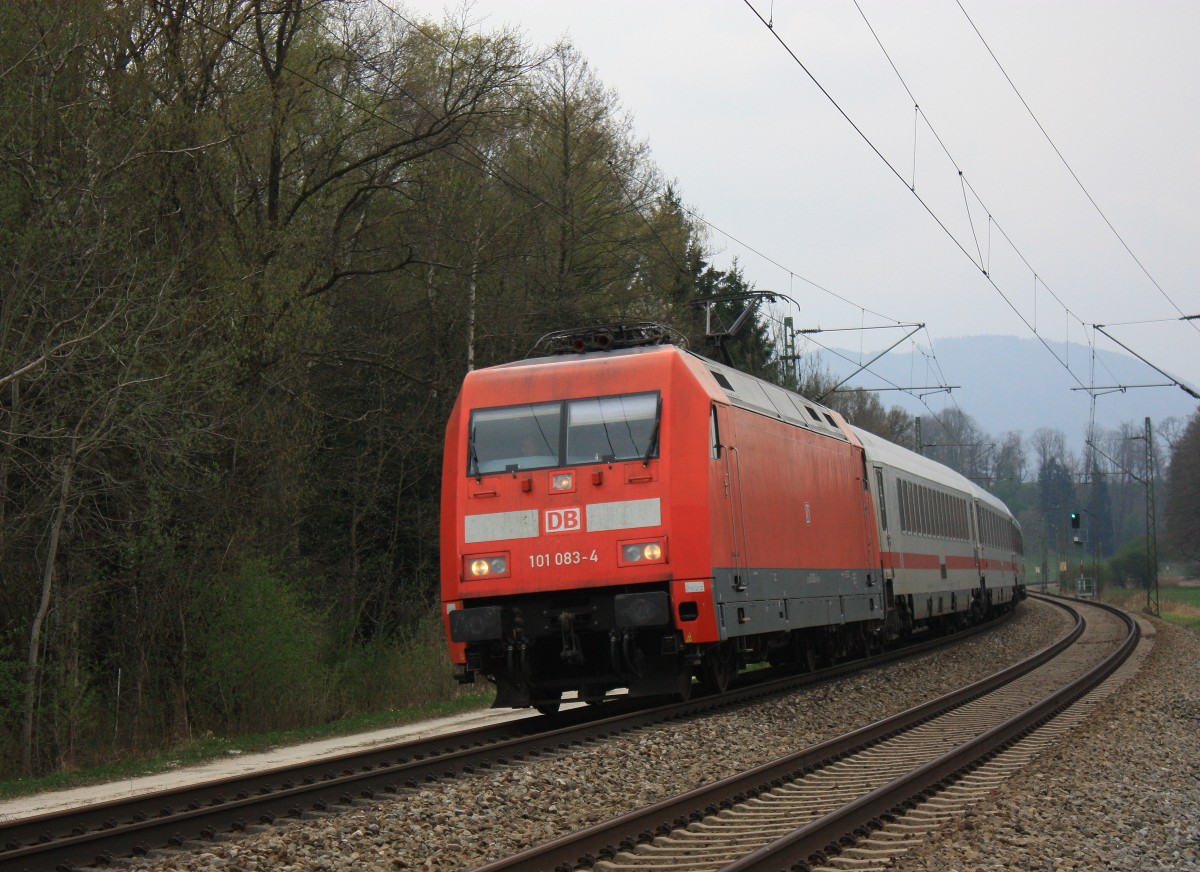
603	429
514	437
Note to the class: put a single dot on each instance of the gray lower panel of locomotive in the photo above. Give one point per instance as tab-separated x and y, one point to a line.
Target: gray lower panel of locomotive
770	600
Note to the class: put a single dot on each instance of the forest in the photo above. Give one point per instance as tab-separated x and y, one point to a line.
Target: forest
251	249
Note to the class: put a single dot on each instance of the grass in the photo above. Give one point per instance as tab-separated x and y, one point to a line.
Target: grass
211	748
1179	605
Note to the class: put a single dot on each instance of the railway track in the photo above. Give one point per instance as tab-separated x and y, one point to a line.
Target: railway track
863	797
135	826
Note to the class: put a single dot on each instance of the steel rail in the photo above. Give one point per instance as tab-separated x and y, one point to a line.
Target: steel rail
826	836
133	826
606	839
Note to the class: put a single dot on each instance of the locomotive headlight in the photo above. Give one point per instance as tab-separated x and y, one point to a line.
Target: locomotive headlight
489	566
562	481
641	552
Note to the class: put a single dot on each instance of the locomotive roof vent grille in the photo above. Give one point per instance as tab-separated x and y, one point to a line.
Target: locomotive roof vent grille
607	337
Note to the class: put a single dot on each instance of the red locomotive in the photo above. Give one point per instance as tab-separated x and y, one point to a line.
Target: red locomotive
636	517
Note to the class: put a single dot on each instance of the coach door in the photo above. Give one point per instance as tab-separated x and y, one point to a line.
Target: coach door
868	516
977	540
724	452
885	534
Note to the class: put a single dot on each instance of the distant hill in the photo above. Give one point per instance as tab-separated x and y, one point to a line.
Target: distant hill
1007	383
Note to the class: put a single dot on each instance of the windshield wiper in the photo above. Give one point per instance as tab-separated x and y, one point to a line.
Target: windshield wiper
654	434
473	457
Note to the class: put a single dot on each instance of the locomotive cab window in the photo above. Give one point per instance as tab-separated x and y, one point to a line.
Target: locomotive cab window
604	429
514	437
547	435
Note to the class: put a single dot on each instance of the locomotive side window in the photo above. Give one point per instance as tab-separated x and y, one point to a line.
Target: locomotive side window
714	435
603	429
721	380
547	435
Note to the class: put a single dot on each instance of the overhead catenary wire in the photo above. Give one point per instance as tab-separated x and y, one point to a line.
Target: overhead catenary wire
791	273
980	263
1068	166
928	209
943	386
983	263
1012	245
920	398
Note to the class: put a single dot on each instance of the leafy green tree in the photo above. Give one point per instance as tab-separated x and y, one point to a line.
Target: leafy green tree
722	299
1122	460
1099	517
251	249
257	654
1129	565
1182	511
101	357
1056	499
578	159
399	335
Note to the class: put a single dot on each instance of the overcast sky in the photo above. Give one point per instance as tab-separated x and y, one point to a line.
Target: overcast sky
762	154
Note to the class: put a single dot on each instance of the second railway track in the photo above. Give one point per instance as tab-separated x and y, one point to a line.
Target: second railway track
802	810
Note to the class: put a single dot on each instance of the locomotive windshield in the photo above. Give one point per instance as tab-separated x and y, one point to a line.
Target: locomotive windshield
545	435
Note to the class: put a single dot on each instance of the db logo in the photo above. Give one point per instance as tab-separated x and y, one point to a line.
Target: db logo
562	520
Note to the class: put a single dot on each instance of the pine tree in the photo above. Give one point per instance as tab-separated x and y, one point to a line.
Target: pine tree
1182	510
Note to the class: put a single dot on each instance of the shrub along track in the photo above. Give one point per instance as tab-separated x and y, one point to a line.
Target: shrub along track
100	833
863	797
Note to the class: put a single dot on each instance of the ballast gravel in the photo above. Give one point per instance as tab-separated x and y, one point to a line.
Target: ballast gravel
1124	794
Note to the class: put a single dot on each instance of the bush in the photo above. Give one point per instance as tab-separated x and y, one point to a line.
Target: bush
12	694
1128	565
256	663
391	673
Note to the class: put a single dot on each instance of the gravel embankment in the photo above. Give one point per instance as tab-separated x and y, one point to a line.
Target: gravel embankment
1124	793
465	822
